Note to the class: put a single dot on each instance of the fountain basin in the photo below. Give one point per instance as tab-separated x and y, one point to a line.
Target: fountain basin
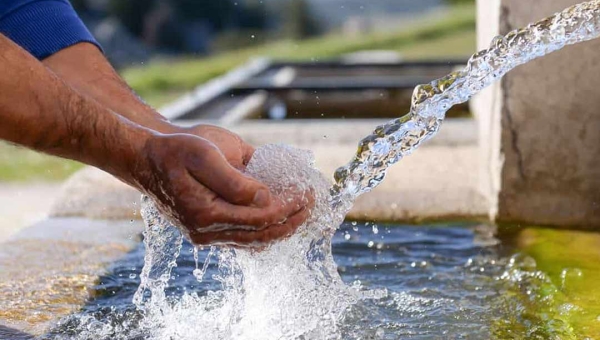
443	280
48	271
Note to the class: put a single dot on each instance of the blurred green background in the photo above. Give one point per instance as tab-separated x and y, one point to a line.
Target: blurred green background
239	32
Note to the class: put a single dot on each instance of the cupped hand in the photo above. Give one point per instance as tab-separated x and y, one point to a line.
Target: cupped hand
203	190
237	152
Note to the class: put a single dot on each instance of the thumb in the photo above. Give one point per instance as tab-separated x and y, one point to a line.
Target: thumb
217	174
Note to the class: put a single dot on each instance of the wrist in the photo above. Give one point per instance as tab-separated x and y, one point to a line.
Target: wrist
130	158
116	145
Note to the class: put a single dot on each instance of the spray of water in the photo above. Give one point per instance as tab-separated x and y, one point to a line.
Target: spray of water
292	289
390	142
289	291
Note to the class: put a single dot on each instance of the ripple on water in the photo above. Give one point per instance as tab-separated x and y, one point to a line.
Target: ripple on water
446	297
438	285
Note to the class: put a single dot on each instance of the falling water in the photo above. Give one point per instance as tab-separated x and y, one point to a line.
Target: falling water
292	289
390	142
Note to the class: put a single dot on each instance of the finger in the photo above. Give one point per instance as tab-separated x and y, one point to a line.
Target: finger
253	238
212	170
222	212
247	153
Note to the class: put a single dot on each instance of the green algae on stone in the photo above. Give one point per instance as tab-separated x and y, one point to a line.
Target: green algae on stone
560	298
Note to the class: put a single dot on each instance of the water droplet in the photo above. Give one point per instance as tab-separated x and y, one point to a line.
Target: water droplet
198	274
522	262
398	139
570	276
132	276
375	229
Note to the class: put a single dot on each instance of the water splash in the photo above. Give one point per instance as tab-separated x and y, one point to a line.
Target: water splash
163	243
390	142
288	291
292	290
200	272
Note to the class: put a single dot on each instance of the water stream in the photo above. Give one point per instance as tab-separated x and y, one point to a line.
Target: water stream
390	142
293	289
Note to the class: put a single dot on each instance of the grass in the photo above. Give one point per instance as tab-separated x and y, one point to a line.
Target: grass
456	45
20	165
447	36
450	35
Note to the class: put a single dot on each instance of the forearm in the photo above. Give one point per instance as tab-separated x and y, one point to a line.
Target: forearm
86	69
40	111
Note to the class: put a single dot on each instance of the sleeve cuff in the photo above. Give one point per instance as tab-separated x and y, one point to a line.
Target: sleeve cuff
45	27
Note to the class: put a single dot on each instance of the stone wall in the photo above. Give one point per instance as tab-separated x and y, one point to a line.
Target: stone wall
540	126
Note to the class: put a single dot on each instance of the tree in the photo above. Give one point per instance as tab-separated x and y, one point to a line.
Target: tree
219	13
184	25
253	14
131	13
299	23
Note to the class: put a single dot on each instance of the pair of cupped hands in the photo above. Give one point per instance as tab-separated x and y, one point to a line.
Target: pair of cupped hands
196	177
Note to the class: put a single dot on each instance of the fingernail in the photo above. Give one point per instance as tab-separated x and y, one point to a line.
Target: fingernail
262	198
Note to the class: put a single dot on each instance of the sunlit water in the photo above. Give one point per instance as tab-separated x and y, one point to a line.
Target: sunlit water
443	281
293	289
398	138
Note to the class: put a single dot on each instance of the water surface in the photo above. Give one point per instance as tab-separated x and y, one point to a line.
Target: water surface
447	281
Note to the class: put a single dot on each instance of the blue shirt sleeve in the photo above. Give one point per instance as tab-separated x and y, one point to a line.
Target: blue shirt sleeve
42	27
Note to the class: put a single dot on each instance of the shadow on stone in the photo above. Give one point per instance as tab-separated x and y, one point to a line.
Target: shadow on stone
13	334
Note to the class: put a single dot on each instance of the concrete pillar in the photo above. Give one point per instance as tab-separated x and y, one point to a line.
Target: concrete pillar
540	126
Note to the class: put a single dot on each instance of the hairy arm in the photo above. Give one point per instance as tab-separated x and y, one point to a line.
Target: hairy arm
84	67
188	176
38	110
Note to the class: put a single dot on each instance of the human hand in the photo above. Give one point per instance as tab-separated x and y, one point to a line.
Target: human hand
237	152
196	181
198	187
